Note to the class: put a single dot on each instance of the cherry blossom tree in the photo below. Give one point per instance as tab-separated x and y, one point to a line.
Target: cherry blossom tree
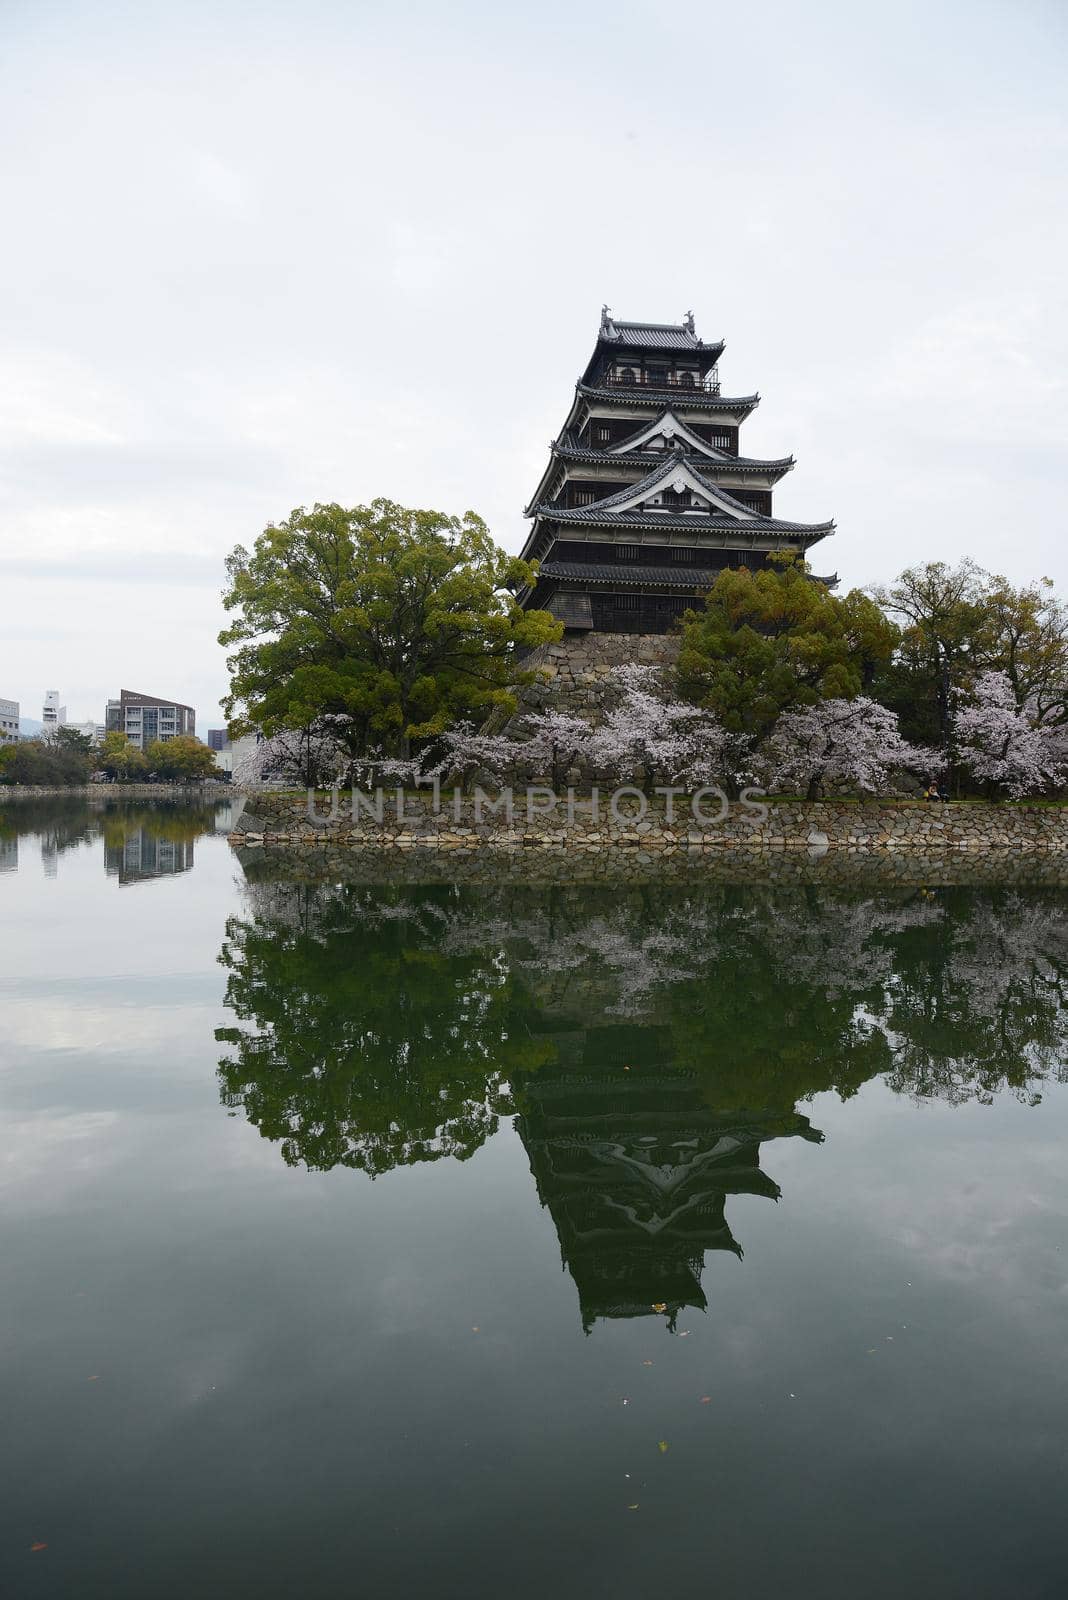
644	734
1001	745
854	742
647	733
462	752
553	742
306	756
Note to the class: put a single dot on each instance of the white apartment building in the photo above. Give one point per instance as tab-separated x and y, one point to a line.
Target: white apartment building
53	715
9	721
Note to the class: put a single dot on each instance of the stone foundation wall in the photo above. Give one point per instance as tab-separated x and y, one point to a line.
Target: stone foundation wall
922	834
631	869
116	791
578	669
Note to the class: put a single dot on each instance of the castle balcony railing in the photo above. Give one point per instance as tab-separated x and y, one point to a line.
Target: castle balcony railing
636	378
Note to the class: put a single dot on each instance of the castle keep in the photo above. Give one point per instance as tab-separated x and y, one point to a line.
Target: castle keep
647	496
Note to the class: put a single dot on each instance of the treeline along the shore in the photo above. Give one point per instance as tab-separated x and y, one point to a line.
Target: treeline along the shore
391	642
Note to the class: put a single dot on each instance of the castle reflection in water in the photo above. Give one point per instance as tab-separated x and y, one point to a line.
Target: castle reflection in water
648	1043
636	1170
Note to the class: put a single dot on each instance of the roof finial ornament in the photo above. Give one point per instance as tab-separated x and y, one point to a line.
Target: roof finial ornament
687	323
605	314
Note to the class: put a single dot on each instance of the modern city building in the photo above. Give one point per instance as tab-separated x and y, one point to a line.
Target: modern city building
9	721
53	715
218	738
235	751
143	718
92	730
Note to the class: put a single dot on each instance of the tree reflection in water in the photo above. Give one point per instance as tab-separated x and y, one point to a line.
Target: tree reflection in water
648	1042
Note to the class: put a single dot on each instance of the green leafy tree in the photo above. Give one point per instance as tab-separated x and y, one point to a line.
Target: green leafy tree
121	759
182	758
1025	636
391	621
72	741
775	639
945	619
959	622
47	763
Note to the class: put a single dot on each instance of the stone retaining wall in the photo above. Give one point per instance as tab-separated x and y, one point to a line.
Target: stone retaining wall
576	672
919	832
116	791
839	869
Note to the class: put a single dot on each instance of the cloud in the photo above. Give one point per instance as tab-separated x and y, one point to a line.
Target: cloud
367	257
146	568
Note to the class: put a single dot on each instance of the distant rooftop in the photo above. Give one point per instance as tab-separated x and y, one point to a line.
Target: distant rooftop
129	697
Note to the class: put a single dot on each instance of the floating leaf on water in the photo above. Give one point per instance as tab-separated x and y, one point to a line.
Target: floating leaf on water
659	1305
706	1399
647	1363
38	1546
634	1507
685	1334
662	1446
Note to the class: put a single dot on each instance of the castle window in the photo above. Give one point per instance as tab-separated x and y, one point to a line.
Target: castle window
626	552
722	441
602	435
584	497
681	553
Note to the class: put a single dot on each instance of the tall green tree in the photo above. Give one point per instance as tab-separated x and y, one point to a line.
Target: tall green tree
182	758
50	763
958	622
1026	637
72	741
943	614
121	759
774	639
396	622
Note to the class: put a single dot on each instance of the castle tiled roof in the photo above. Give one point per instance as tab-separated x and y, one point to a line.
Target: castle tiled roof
694	522
730	514
680	577
655	336
687	399
567	450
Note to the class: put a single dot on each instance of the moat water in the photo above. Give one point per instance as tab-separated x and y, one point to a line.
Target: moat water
499	1240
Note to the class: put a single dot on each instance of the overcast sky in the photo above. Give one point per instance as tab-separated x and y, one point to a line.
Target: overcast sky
258	255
